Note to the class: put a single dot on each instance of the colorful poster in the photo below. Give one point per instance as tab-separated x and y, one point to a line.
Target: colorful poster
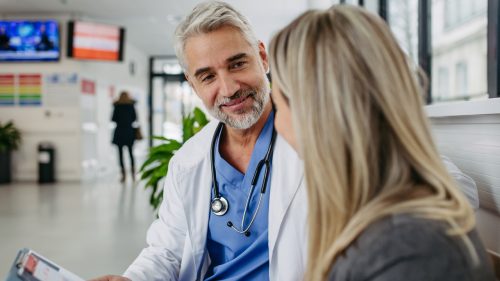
30	89
7	90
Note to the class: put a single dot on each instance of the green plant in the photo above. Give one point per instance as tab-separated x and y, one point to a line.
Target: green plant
10	137
155	167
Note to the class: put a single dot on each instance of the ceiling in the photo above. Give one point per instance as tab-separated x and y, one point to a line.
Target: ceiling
150	24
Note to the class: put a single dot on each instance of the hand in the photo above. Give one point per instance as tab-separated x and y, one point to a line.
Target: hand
111	278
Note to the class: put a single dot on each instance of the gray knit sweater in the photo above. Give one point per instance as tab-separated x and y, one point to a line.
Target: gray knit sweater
402	247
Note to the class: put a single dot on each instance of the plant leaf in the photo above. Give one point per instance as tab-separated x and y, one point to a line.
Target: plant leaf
155	167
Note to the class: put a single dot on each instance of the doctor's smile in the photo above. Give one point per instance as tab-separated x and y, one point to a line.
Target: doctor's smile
238	103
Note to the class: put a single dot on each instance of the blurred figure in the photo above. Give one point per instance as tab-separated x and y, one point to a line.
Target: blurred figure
4	40
382	205
124	116
45	44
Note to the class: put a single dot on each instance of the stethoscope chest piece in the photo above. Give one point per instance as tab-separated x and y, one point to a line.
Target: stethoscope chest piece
219	206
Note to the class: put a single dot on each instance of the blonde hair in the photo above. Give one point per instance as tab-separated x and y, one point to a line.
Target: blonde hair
207	17
358	111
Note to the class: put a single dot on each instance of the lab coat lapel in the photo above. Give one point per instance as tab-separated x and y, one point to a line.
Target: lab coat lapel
198	221
196	182
287	174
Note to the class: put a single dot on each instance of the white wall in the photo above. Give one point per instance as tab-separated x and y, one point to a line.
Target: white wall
81	132
469	134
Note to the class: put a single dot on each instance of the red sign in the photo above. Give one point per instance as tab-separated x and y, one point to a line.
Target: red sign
88	87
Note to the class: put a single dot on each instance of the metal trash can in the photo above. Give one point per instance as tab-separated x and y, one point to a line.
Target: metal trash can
46	163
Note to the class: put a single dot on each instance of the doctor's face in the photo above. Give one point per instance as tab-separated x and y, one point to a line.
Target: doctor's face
229	75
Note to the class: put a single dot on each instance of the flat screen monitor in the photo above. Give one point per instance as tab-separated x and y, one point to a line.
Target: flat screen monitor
29	40
95	41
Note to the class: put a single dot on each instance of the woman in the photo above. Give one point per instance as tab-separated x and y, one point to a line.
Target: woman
382	205
124	115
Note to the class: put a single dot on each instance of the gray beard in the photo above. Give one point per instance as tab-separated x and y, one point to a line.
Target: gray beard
247	119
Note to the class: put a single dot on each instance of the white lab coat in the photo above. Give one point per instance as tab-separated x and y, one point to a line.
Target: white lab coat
177	240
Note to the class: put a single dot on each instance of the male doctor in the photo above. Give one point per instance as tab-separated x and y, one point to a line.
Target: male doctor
238	228
234	203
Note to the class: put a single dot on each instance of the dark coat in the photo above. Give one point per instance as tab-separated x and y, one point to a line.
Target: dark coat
124	115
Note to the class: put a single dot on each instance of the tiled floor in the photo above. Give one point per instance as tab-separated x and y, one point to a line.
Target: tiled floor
91	229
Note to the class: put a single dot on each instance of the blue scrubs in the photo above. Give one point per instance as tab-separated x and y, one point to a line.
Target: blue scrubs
235	256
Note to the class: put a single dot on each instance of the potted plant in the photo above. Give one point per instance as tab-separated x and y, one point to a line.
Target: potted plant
10	139
155	167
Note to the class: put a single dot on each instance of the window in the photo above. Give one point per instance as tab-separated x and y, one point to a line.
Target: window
372	6
450	12
443	86
403	20
351	2
459	44
458	11
461	79
171	98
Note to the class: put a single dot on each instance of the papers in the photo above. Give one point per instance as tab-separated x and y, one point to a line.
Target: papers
32	266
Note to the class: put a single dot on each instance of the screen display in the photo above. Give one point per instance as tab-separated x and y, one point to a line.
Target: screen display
23	40
95	41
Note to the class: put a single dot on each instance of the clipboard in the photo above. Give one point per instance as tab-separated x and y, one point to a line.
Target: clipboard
31	266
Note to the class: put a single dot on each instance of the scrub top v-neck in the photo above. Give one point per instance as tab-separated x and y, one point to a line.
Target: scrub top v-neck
235	256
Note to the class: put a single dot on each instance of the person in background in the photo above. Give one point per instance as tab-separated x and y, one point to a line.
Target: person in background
44	44
382	205
4	39
124	116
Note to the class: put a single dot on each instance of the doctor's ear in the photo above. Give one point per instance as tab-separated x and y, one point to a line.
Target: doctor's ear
263	56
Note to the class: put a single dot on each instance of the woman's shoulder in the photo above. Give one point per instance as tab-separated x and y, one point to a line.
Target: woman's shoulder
404	246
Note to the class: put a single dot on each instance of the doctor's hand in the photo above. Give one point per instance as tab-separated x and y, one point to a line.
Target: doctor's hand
111	278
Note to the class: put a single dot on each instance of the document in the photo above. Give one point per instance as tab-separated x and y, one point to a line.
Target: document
31	266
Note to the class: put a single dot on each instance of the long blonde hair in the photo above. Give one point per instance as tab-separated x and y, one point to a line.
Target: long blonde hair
358	114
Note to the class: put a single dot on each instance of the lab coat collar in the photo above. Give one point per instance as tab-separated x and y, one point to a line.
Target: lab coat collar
286	177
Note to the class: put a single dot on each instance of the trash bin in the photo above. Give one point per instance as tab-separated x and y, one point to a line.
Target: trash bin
46	163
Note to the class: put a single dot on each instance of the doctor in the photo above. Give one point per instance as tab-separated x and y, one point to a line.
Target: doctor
234	201
234	205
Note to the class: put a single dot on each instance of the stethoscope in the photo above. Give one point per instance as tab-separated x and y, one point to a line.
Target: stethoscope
220	205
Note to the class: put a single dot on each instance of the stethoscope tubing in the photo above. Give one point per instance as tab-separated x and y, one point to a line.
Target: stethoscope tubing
220	201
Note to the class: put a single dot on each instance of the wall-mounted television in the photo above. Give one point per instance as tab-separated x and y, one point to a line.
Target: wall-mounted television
95	41
29	40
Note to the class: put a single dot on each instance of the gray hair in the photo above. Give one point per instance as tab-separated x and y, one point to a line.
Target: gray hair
207	17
